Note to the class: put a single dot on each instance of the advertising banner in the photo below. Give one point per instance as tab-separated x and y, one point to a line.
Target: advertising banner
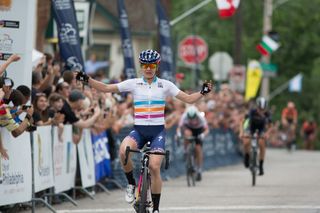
166	65
17	24
65	159
43	158
127	49
15	173
86	160
69	42
254	76
101	155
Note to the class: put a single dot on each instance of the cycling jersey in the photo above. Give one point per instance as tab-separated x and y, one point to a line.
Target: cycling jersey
258	120
199	122
149	99
290	114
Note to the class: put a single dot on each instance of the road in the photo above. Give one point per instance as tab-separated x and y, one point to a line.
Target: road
291	184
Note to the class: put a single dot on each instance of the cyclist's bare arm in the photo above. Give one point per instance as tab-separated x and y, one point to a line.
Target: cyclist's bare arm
103	87
190	99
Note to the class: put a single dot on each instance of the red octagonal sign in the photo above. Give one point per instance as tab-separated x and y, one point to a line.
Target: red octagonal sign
187	50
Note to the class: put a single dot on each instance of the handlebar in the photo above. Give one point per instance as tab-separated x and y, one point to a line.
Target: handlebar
148	152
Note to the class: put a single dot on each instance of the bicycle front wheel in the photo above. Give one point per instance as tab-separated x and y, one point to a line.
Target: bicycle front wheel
254	167
144	192
190	169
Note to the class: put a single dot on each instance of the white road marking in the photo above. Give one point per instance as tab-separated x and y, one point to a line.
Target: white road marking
202	208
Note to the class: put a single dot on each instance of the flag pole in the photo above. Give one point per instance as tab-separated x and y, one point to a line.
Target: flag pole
189	12
280	89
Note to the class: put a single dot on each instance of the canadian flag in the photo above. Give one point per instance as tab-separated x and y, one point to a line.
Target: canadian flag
227	7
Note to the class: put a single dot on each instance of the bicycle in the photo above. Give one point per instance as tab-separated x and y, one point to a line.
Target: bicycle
190	161
253	162
143	200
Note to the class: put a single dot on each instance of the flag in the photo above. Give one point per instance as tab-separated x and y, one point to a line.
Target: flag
254	76
129	69
166	65
267	45
227	7
68	34
295	84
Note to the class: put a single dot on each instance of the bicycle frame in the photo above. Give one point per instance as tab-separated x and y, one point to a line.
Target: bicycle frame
143	199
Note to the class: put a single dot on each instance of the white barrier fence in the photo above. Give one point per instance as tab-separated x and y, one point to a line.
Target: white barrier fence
55	163
15	173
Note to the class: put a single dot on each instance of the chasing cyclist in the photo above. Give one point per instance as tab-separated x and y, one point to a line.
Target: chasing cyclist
149	94
289	120
192	123
258	119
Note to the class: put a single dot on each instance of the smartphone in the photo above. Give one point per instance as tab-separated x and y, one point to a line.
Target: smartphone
25	107
7	82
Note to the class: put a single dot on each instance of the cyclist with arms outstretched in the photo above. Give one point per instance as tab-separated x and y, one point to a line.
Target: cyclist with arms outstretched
193	124
257	120
149	94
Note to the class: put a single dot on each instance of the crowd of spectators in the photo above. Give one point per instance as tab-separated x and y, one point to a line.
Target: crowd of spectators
57	99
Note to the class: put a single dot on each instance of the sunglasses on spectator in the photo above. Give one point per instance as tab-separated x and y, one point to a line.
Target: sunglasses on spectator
151	66
40	94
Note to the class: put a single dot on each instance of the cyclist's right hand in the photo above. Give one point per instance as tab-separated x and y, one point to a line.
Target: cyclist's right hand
82	76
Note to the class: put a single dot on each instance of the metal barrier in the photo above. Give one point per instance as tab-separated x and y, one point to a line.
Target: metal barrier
220	148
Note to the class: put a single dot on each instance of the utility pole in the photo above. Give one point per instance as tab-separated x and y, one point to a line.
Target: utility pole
238	36
267	27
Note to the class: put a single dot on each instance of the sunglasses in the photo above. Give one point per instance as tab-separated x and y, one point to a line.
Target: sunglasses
40	94
151	66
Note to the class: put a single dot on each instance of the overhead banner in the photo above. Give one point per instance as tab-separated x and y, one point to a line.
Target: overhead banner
64	160
254	76
101	155
86	160
68	34
17	24
15	173
43	158
166	65
127	50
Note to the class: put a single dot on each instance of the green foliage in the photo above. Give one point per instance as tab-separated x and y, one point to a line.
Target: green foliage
296	21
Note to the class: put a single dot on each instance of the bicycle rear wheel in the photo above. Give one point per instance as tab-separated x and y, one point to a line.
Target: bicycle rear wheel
144	192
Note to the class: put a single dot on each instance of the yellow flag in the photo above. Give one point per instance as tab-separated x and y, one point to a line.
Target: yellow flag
254	75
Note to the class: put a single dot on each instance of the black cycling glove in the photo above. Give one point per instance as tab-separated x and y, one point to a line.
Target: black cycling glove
205	88
83	77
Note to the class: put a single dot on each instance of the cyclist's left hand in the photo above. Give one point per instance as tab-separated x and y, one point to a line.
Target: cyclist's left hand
206	88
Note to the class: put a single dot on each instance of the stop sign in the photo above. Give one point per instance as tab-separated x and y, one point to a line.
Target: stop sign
193	49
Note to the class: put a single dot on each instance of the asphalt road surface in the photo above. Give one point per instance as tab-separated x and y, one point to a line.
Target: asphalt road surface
291	184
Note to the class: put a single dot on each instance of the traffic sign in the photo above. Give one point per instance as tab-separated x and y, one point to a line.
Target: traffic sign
220	64
193	49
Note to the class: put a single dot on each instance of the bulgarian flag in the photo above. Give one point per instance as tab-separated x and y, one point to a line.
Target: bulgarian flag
267	45
227	7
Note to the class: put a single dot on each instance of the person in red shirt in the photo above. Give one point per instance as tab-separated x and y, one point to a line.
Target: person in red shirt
309	133
289	119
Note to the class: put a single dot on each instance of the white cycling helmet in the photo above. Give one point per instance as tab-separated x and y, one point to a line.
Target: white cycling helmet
192	112
262	103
